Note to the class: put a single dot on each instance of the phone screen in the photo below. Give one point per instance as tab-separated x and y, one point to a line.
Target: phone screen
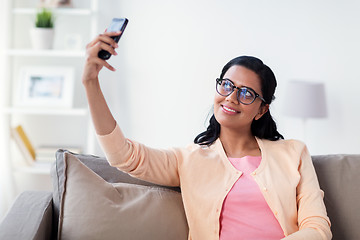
116	25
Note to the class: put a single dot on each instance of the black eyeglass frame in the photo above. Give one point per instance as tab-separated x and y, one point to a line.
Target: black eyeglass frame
219	81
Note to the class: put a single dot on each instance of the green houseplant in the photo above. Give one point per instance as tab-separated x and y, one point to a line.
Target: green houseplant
44	19
42	34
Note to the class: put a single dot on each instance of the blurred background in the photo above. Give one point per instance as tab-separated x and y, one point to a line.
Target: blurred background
169	57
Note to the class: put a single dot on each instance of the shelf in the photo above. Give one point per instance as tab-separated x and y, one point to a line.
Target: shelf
63	11
45	53
47	111
47	120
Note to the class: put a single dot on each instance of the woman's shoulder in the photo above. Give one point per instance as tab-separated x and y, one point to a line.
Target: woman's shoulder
289	152
283	145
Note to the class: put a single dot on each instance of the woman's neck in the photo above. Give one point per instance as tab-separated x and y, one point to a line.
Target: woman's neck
239	144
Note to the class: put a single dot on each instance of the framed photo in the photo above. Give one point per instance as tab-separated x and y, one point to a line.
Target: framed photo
46	87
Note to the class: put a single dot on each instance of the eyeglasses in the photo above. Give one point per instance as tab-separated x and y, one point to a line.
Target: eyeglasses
245	95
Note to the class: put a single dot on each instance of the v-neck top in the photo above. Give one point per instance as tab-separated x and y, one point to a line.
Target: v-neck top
245	213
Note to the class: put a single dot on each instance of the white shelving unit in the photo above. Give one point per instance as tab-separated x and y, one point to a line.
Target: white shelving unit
18	54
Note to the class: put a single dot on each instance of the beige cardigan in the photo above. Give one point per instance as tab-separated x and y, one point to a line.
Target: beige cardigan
285	176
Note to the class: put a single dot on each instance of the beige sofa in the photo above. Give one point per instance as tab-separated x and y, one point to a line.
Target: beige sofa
92	200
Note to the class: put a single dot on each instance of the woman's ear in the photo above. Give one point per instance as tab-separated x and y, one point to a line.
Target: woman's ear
262	110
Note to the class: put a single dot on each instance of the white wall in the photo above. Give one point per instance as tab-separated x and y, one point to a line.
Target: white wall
172	51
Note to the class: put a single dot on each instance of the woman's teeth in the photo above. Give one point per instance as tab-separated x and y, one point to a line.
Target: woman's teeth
228	109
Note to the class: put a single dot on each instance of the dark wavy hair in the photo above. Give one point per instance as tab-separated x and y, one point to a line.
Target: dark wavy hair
265	127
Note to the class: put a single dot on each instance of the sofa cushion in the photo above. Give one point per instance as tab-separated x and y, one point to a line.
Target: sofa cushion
92	208
339	179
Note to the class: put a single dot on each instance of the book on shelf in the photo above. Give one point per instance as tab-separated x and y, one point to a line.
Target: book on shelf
24	144
33	155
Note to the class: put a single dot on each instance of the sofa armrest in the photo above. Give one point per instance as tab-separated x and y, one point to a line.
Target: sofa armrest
30	217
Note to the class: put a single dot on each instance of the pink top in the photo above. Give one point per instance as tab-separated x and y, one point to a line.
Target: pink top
245	213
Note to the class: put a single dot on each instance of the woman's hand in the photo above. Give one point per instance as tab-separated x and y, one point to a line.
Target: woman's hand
93	63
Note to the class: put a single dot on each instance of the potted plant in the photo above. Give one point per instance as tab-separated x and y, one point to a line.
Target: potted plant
42	34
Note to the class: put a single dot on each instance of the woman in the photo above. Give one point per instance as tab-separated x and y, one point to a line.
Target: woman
239	180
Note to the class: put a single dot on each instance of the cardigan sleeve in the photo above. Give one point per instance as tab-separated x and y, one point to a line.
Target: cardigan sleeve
312	217
140	161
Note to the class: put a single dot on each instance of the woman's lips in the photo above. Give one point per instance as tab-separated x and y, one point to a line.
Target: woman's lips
228	110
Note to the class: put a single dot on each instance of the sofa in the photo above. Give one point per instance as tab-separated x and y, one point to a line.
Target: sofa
92	200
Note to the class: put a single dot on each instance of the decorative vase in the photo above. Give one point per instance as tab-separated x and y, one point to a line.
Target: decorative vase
42	38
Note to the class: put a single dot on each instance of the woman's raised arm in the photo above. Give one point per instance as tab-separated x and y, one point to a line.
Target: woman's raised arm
103	120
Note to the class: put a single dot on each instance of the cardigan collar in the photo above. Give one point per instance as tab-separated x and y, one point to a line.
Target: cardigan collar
218	147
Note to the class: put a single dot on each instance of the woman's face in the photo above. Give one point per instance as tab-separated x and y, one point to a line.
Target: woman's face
232	114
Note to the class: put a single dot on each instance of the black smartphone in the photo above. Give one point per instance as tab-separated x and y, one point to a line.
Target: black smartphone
117	24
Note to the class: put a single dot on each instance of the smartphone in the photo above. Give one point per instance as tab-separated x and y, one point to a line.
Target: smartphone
117	24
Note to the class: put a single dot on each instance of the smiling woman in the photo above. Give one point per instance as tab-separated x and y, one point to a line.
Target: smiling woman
248	181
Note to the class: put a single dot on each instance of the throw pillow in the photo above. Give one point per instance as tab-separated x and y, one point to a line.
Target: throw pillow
92	208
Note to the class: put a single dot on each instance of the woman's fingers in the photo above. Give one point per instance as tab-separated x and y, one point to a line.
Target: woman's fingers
94	64
93	51
106	38
102	42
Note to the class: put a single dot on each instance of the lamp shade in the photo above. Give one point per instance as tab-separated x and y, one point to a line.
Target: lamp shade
305	100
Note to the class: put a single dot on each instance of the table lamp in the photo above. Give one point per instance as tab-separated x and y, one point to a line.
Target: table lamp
305	100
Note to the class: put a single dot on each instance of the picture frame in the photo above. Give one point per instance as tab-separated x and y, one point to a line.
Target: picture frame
46	87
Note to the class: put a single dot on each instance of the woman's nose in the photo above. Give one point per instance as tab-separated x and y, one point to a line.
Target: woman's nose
233	97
